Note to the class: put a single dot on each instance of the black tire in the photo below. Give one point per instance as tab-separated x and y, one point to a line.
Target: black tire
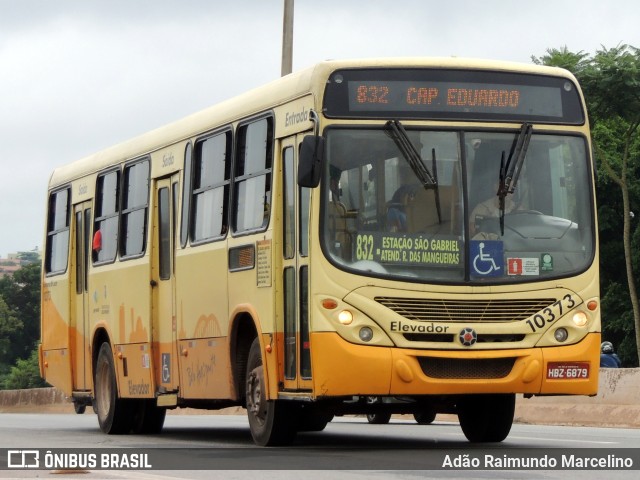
486	418
425	417
313	420
272	422
79	407
114	414
378	418
148	418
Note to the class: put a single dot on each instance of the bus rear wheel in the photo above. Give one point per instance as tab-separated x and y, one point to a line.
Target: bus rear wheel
113	412
272	422
486	418
148	417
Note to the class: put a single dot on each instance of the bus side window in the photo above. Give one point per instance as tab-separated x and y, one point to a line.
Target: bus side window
107	217
135	201
211	173
186	195
58	232
252	188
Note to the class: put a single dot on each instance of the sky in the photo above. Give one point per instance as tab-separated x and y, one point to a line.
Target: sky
77	76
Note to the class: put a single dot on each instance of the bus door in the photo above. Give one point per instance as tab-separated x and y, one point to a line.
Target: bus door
164	336
296	366
79	321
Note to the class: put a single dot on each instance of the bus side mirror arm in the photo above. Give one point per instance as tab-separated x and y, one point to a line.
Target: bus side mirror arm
311	157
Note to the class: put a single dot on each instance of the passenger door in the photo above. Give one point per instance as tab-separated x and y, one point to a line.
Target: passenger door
296	371
79	322
164	334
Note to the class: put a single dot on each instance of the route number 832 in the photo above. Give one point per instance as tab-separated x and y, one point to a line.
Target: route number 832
364	247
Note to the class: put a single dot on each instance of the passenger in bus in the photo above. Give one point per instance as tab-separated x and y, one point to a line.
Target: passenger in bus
97	241
397	209
334	183
337	216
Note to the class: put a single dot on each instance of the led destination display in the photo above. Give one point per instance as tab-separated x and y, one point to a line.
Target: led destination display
452	94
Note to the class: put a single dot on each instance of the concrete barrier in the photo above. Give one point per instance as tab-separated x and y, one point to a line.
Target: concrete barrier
616	405
32	398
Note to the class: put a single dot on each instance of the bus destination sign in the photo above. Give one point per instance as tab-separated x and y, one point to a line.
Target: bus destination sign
439	96
452	94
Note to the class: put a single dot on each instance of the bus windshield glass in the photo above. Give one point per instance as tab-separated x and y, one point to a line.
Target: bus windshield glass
381	218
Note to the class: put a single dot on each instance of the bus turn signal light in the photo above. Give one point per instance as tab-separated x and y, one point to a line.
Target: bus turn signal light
329	303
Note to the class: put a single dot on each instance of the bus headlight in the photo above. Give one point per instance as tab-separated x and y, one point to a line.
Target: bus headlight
561	334
366	334
345	317
580	319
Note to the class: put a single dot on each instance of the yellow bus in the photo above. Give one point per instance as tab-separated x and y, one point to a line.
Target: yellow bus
372	237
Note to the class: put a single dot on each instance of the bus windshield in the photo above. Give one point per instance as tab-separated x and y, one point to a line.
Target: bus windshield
381	218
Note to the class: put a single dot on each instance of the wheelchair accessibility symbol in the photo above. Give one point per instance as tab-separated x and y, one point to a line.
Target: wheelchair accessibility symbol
487	258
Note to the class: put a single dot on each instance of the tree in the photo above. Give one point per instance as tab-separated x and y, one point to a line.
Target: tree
611	84
563	58
25	374
21	293
612	81
29	257
10	327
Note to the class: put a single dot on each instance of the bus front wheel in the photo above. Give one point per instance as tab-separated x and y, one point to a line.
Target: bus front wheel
486	418
425	417
113	412
271	421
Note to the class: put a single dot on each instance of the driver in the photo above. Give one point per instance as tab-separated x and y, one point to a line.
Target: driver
489	208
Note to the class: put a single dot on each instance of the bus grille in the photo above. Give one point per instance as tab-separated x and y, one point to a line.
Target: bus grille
447	310
455	368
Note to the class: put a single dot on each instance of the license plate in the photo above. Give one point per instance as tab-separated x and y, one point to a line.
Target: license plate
567	370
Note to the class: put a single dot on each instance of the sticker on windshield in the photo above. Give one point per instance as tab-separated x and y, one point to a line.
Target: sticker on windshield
523	266
487	258
546	262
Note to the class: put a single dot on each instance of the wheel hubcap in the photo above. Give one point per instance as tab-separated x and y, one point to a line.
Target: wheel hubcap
255	397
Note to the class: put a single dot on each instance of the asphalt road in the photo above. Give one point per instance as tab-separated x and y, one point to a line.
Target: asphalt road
220	446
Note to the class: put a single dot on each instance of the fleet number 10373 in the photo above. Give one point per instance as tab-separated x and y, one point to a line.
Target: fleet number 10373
551	313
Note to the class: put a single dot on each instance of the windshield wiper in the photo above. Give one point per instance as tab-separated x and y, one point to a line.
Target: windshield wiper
414	159
510	171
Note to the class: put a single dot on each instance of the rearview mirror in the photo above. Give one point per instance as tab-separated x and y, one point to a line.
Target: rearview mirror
310	163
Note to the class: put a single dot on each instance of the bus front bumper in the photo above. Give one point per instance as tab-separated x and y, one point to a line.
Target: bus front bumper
341	368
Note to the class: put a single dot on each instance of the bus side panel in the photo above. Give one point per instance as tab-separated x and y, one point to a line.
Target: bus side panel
251	294
57	364
56	356
202	326
133	367
206	368
120	299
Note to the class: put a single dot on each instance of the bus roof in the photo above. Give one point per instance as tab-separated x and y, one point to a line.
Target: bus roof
253	102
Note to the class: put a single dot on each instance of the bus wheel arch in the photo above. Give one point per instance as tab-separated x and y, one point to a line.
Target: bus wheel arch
242	333
99	337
